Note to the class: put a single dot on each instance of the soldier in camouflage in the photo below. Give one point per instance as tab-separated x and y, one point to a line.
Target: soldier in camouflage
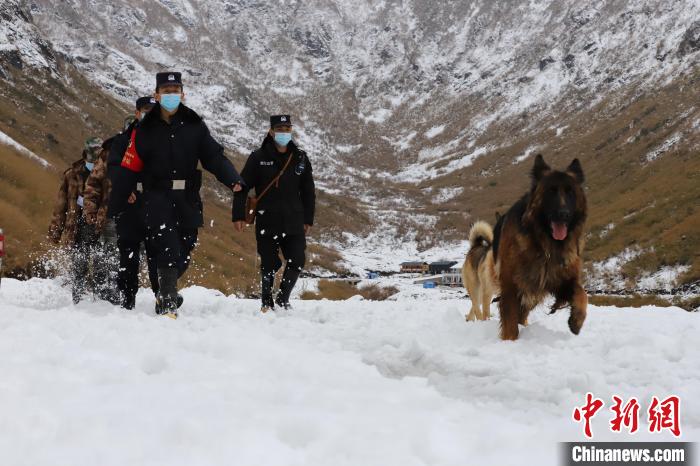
95	203
68	226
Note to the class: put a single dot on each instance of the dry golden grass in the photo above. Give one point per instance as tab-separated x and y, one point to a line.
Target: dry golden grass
336	214
25	207
340	290
325	258
378	293
628	301
687	303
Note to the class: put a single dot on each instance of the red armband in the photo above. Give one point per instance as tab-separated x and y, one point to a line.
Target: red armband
131	159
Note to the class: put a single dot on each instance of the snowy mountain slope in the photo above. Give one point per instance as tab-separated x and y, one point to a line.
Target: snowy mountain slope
21	44
395	68
405	382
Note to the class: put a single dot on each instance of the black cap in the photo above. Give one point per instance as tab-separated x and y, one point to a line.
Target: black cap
278	120
146	101
168	77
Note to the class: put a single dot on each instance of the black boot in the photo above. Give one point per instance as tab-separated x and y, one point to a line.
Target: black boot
78	292
128	300
289	279
166	302
180	301
268	280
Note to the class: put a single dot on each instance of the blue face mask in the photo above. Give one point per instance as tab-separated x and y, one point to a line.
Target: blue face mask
282	139
170	101
89	165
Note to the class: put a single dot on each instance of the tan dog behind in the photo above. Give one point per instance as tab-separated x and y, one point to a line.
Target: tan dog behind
478	272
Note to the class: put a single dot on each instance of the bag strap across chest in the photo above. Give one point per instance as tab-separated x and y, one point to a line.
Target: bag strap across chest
275	181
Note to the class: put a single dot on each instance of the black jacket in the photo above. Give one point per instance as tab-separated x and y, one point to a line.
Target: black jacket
285	208
172	151
123	180
129	217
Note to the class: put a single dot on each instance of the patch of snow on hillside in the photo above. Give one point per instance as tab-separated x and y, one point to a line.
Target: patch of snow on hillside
403	142
435	156
608	273
606	230
8	141
664	147
465	160
348	148
664	279
434	131
446	194
525	155
378	116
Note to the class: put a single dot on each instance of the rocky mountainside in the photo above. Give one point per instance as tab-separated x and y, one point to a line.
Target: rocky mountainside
425	115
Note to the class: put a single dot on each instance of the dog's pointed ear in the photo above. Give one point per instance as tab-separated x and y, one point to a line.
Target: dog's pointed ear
576	170
539	169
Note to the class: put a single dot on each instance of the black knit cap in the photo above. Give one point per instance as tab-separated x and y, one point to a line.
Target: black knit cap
146	101
278	120
168	77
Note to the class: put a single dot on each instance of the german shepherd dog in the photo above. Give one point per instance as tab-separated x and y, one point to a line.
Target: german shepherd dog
534	250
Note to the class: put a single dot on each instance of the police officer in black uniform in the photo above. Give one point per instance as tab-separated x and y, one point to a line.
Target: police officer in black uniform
170	142
285	214
131	229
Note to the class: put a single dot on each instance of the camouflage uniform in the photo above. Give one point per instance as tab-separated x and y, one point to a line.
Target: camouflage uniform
68	209
96	194
68	225
99	186
96	202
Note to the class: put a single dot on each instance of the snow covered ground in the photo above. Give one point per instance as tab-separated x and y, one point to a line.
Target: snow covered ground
403	382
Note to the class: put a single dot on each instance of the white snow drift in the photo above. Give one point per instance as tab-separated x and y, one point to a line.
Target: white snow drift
403	382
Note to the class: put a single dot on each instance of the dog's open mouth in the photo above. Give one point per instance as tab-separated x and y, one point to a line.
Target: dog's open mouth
559	230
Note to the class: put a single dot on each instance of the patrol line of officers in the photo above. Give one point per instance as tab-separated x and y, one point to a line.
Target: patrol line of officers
142	185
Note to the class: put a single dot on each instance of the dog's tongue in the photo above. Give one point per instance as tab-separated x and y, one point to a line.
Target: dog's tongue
559	231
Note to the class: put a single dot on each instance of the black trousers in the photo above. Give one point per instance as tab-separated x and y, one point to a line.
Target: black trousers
130	263
172	247
105	270
82	255
293	249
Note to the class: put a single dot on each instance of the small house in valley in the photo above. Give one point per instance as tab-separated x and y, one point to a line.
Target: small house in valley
452	277
414	267
440	267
